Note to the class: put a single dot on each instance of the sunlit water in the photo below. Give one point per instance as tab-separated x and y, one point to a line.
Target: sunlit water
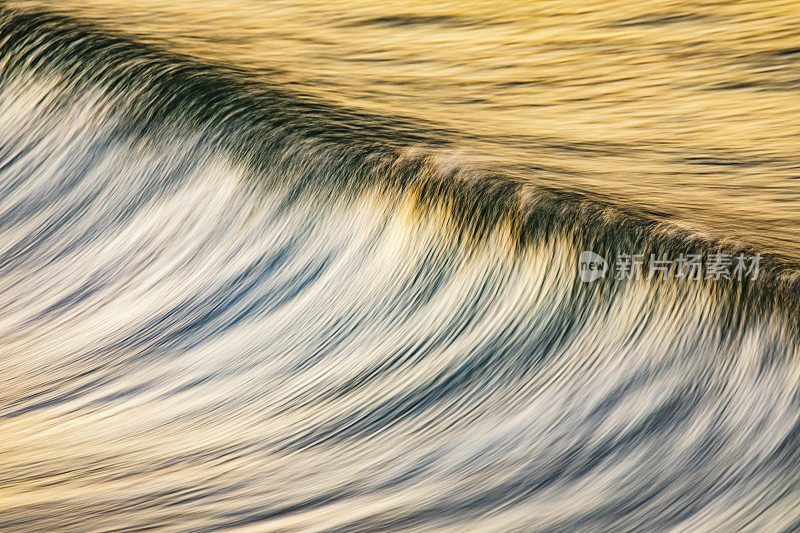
686	109
225	305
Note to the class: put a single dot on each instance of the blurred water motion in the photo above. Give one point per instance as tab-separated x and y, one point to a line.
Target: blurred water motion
300	266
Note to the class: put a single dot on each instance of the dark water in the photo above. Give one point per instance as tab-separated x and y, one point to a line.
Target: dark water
224	305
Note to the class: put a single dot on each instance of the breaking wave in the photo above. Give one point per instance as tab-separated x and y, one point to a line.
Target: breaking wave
225	305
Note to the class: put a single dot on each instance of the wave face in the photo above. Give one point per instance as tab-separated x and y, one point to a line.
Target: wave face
222	306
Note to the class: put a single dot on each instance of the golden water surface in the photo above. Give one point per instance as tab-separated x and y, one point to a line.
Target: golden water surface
688	109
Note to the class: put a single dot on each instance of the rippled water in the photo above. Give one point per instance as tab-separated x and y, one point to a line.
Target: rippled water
343	295
685	109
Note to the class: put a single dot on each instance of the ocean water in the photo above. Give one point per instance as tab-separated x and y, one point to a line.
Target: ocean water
315	266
